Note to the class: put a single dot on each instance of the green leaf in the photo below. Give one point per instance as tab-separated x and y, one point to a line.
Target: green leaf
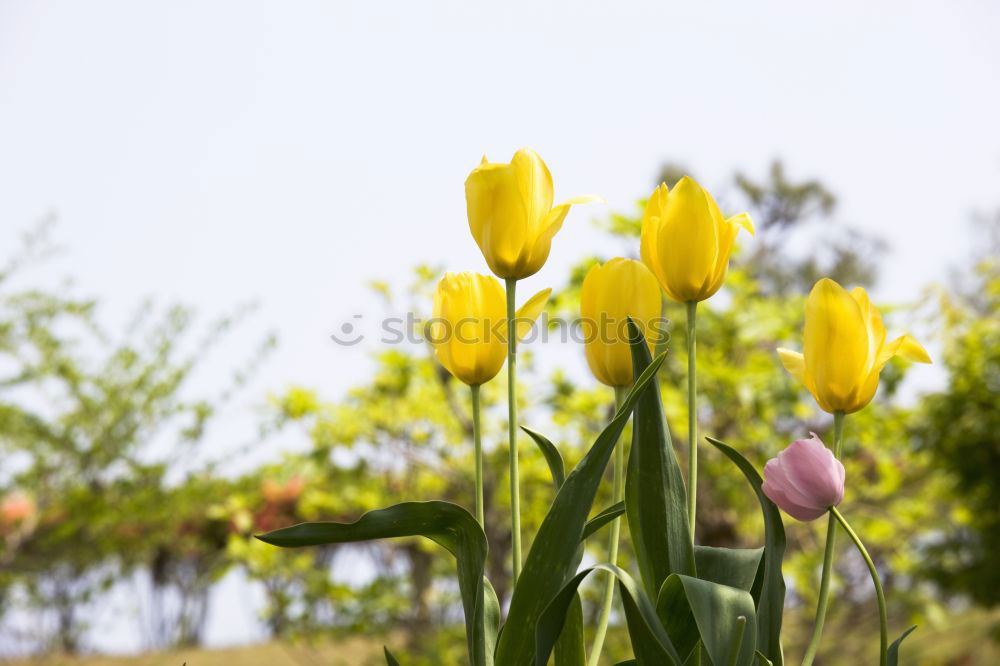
445	523
389	659
735	567
655	500
570	649
602	519
762	660
693	609
769	588
554	553
643	615
552	456
491	619
893	653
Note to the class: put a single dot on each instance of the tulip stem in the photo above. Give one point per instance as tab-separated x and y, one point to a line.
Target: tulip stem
515	498
692	350
618	494
831	536
477	437
879	593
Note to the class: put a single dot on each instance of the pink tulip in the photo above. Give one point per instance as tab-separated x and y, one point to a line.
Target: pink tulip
805	479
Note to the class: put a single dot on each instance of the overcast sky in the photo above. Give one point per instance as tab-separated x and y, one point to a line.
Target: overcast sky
219	152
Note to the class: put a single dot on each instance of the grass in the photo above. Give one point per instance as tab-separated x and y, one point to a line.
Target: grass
969	639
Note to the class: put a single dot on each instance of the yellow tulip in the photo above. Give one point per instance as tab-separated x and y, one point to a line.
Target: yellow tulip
612	292
469	329
686	241
845	348
511	214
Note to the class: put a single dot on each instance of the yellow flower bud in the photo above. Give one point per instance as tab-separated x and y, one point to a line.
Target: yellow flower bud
469	329
845	348
612	293
686	241
511	214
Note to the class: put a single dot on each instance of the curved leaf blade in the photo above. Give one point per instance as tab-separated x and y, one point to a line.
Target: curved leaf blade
735	567
893	653
447	524
655	499
551	621
769	588
554	552
552	456
693	609
570	649
602	519
389	659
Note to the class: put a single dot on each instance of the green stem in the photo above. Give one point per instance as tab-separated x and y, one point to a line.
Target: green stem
831	535
515	497
879	593
692	350
618	494
477	437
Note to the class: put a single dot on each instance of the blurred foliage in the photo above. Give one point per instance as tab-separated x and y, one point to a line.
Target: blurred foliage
97	433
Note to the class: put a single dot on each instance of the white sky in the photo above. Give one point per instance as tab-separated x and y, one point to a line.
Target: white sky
217	152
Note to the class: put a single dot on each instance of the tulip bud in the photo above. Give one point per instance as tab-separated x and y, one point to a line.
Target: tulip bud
612	293
686	241
469	330
511	215
845	348
805	479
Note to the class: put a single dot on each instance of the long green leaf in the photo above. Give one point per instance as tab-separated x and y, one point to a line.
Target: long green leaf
447	524
570	649
769	589
892	656
693	609
389	659
557	468
735	567
603	518
655	500
554	553
552	619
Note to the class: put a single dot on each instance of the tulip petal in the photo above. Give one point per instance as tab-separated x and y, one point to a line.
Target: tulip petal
496	215
836	346
814	472
534	184
744	220
775	486
688	242
583	199
526	315
794	362
904	346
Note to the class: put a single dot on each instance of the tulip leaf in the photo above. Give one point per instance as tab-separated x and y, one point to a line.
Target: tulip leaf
552	456
736	567
692	609
554	554
893	653
769	588
602	519
655	499
389	659
570	649
762	660
447	524
639	610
